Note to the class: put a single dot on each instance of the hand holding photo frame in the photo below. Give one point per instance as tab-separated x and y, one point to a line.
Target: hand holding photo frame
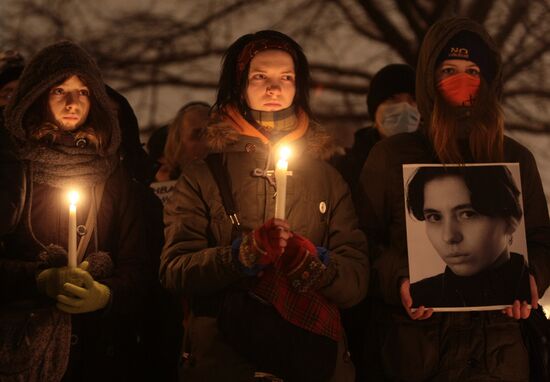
466	236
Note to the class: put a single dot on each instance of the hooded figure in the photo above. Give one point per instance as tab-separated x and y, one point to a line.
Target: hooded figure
11	67
66	135
134	158
303	266
462	122
392	110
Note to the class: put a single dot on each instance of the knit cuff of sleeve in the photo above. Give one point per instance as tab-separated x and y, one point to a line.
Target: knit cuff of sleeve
306	275
246	253
324	255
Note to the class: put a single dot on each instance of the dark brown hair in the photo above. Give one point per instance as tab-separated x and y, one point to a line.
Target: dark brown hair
493	191
232	86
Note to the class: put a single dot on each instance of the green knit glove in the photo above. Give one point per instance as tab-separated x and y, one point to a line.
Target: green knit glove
90	297
50	281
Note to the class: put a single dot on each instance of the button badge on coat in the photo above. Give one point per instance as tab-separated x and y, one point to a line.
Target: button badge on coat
322	207
81	230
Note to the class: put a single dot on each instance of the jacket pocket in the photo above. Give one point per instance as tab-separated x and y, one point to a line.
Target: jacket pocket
210	358
506	355
410	349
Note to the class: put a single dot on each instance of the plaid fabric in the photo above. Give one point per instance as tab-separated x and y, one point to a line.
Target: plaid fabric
308	310
245	128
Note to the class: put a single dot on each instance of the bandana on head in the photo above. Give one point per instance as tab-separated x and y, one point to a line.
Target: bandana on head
254	47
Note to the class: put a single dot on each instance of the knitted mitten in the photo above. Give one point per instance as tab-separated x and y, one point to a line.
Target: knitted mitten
301	264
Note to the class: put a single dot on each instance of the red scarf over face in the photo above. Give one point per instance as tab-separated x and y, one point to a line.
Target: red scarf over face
308	310
459	89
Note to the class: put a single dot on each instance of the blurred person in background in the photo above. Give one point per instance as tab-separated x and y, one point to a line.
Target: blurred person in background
155	147
11	67
185	142
392	110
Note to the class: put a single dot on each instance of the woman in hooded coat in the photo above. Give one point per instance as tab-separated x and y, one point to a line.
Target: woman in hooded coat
458	86
305	266
66	135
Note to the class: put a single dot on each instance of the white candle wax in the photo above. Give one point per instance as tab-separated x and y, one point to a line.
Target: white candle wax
71	242
280	179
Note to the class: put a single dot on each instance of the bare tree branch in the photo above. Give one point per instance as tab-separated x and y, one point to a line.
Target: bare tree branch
358	25
386	28
516	13
479	10
153	52
406	9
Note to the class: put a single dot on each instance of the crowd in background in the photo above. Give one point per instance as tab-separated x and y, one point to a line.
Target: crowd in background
187	270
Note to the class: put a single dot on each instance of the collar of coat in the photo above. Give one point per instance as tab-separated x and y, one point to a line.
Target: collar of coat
229	131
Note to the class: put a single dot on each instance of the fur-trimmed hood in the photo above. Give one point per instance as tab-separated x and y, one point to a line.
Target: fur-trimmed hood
317	142
49	67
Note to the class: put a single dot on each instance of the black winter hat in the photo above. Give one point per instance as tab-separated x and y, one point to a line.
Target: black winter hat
388	81
466	45
157	142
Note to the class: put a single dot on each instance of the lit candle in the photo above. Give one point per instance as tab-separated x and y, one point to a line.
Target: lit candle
280	179
71	246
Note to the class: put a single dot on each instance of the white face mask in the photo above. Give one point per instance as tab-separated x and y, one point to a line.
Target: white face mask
399	118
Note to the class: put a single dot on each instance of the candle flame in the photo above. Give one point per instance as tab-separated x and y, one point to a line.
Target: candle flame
284	153
73	197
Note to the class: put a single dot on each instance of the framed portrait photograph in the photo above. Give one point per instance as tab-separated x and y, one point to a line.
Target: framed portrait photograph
465	236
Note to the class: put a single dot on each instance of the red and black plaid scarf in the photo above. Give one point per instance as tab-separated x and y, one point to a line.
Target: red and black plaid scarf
308	310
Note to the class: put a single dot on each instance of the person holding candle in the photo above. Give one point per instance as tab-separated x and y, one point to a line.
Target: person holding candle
309	257
458	87
84	320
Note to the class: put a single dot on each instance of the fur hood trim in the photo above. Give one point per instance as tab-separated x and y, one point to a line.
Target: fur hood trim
319	144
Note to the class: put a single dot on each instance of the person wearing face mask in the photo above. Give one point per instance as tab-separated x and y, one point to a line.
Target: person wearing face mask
392	109
458	88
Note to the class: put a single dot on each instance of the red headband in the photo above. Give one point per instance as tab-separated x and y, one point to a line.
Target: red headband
254	47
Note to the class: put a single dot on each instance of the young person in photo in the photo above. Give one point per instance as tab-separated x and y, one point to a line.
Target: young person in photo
458	88
303	267
470	216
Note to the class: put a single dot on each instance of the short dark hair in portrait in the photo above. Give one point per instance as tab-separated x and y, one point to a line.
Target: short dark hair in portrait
471	230
493	191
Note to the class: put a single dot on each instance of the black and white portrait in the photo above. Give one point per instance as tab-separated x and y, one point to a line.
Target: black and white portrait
465	236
